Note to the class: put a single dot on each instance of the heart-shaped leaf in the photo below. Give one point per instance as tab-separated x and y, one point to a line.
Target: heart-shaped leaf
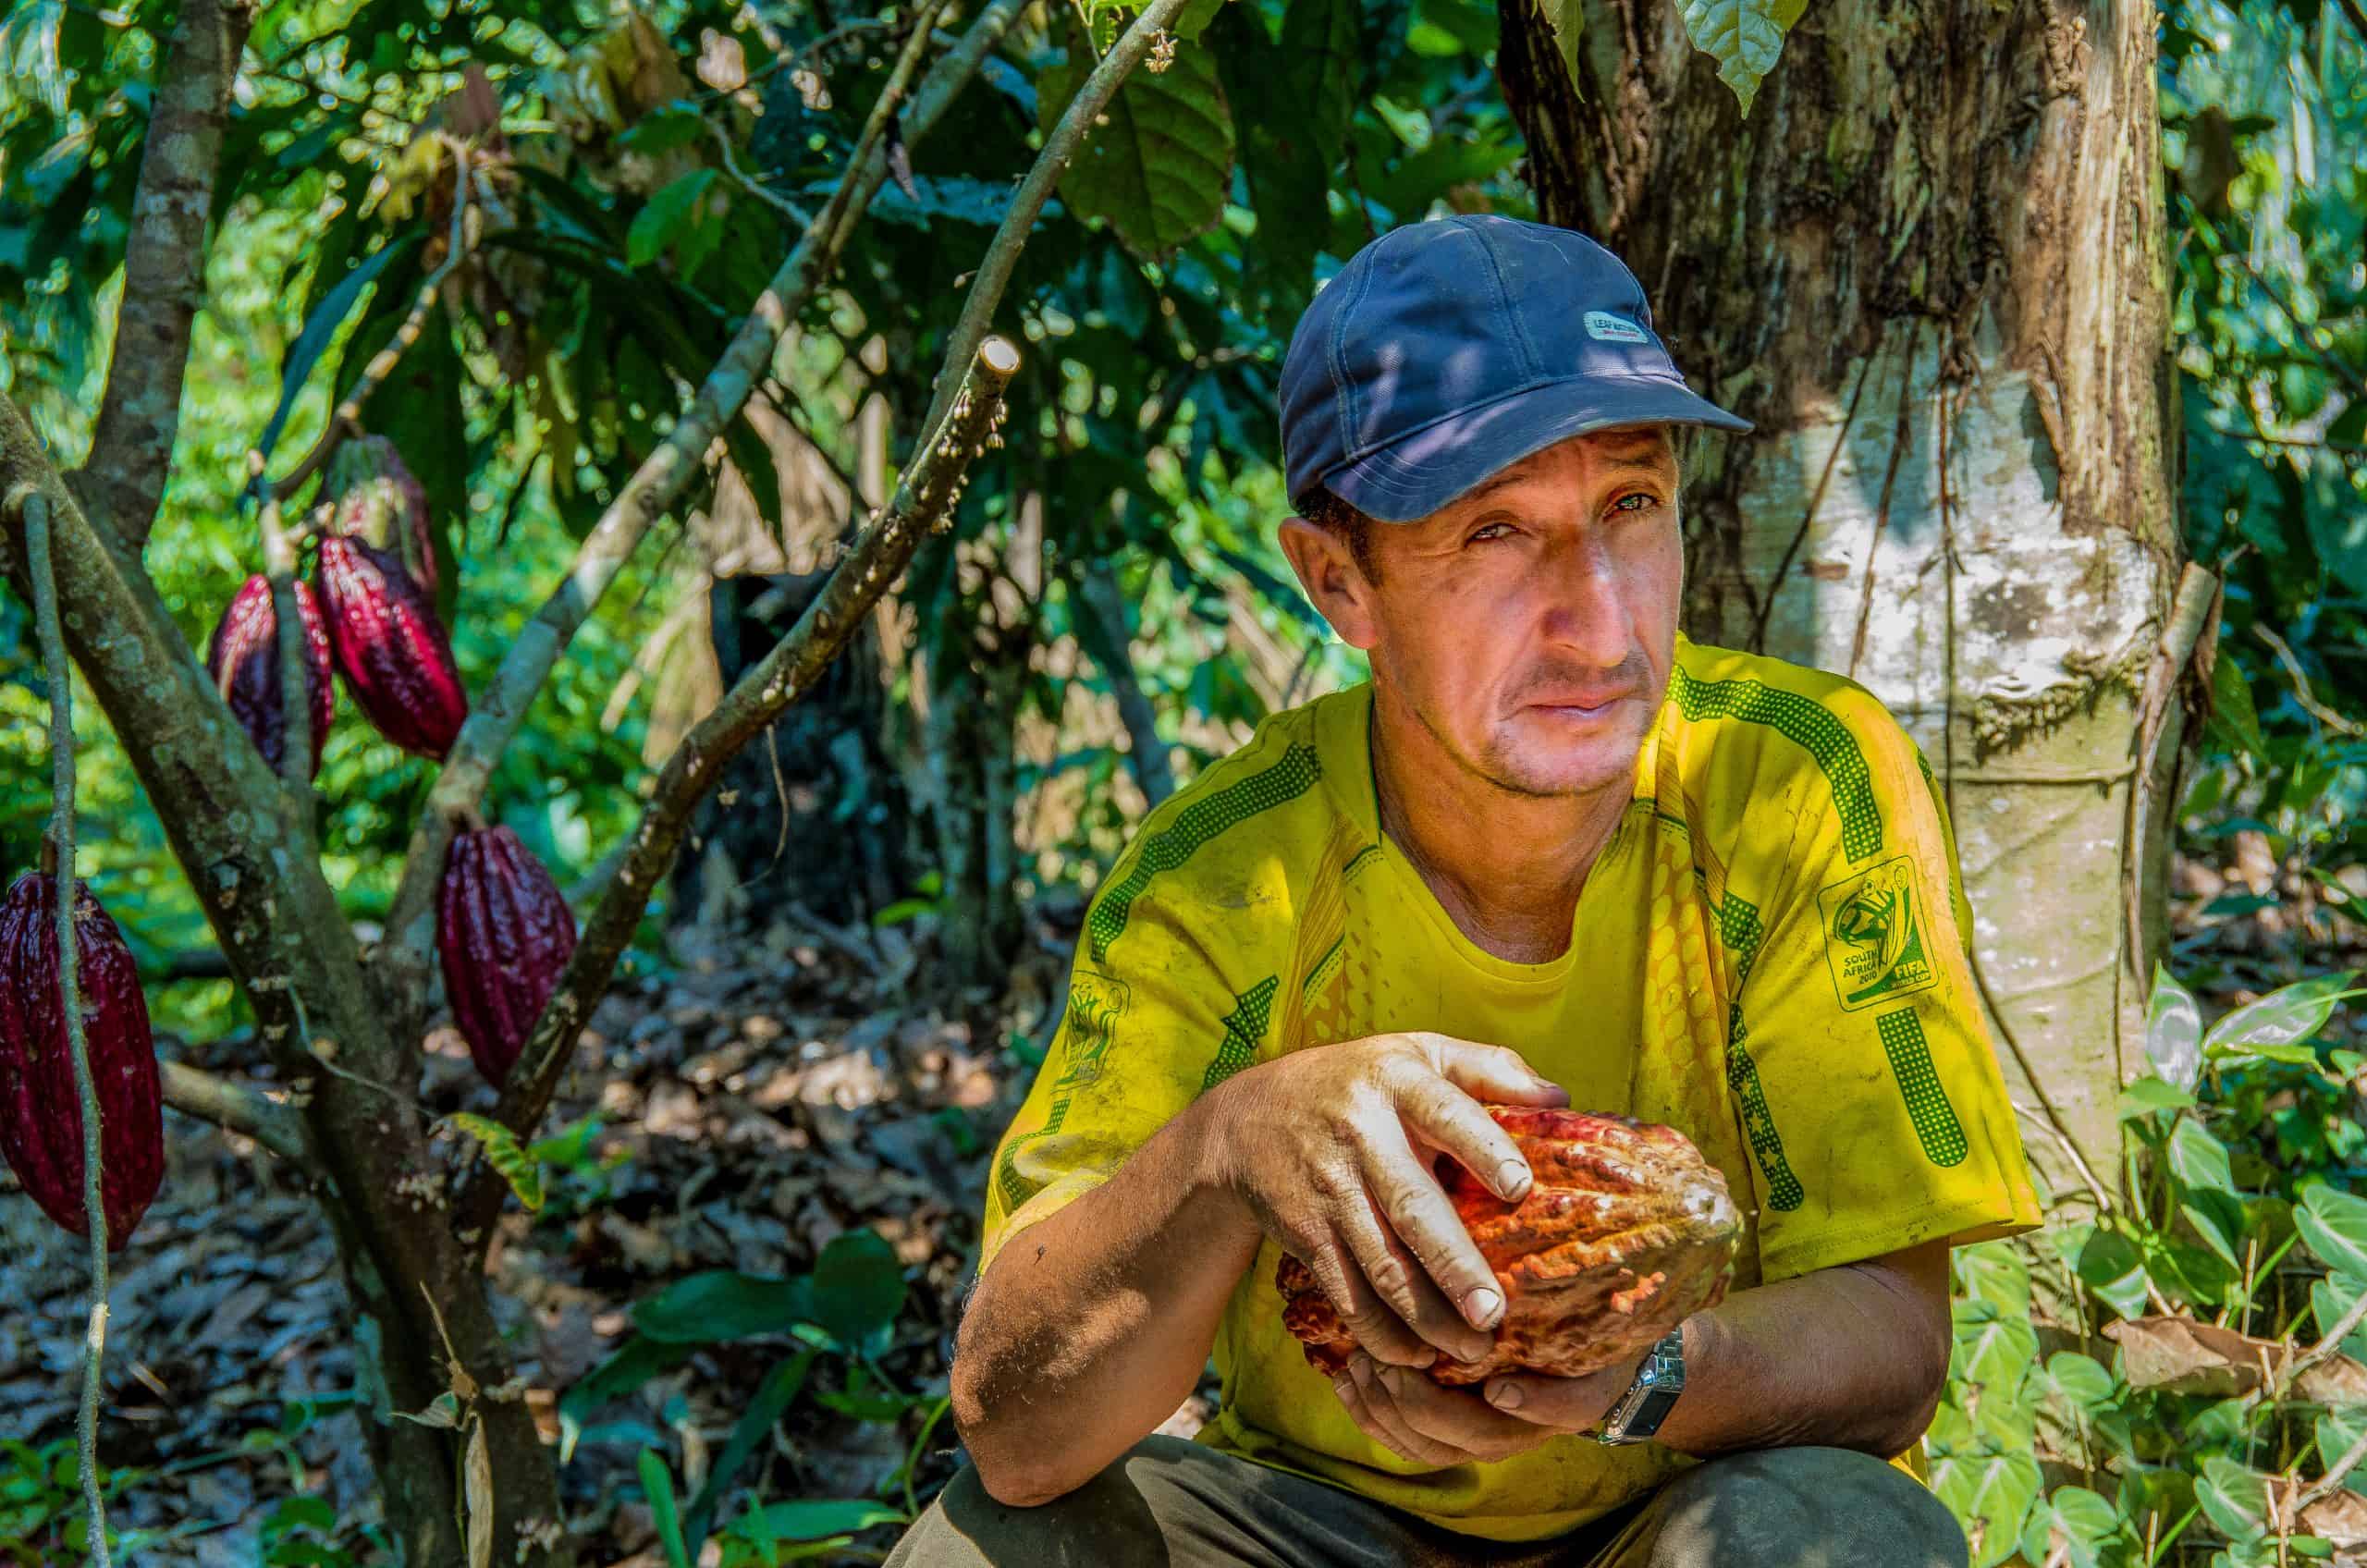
2334	1225
2173	1031
2285	1017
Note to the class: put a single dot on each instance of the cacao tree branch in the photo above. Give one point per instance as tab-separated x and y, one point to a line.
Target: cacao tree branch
922	505
239	1106
403	958
164	271
58	852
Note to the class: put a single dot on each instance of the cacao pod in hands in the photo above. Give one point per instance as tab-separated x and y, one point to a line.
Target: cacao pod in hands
504	933
382	504
1625	1231
244	661
390	648
40	1110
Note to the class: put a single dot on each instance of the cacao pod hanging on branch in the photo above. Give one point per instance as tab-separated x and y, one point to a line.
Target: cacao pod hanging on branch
244	661
381	503
41	1110
503	932
1625	1231
390	647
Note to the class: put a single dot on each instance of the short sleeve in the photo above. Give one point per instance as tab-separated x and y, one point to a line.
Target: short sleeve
1863	1060
1146	1016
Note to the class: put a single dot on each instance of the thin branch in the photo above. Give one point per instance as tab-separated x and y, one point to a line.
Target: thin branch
747	182
2301	693
406	953
57	853
164	271
346	418
923	505
239	1106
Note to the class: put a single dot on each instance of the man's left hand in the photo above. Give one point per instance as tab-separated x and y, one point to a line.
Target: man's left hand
1403	1411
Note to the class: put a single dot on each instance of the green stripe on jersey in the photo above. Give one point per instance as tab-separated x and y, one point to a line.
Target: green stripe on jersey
1194	826
1919	1084
1809	723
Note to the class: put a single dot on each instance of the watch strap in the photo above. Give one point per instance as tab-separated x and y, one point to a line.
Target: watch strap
1649	1398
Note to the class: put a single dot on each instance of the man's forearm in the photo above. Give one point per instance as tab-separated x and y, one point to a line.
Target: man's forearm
1092	1326
1845	1358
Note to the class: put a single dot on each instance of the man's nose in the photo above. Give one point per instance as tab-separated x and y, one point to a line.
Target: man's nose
1586	604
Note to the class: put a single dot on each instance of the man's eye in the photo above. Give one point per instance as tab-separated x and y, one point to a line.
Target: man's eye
1487	530
1649	502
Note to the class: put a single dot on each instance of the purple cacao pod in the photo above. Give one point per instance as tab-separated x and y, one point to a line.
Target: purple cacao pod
40	1112
390	648
504	933
244	662
380	503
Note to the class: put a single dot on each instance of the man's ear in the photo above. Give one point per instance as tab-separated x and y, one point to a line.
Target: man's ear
1336	586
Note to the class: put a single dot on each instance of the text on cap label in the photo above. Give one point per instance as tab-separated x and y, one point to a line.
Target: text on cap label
1612	329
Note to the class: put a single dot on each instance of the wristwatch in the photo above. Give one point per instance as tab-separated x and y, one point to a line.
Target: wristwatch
1646	1403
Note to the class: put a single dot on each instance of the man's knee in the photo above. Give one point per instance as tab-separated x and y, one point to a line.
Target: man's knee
1824	1506
1105	1521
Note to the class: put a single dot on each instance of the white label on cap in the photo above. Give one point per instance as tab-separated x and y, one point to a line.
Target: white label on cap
1614	329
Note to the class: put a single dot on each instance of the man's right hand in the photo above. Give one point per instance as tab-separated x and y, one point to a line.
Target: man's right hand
1330	1149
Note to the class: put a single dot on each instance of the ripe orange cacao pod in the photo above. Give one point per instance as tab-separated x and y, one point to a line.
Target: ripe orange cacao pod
244	661
390	648
41	1111
382	504
504	933
1625	1231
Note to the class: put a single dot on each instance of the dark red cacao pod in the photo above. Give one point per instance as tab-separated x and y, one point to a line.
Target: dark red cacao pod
504	933
390	648
244	661
41	1111
1625	1231
380	503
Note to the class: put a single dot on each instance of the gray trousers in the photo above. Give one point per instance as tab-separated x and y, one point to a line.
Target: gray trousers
1170	1504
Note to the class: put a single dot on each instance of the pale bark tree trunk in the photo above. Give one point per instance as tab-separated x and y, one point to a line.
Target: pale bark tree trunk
1929	266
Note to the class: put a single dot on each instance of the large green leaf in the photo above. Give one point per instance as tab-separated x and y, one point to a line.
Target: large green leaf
2199	1159
722	1304
2231	706
667	214
1158	169
1568	21
657	1484
2276	1024
2233	1498
812	1519
1743	36
2334	1225
2173	1031
1991	1496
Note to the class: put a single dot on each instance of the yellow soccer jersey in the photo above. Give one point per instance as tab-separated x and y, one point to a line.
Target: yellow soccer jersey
1767	955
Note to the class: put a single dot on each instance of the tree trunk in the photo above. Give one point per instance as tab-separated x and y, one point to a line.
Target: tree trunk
1928	265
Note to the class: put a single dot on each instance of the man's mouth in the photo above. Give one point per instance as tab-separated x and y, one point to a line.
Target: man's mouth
1576	704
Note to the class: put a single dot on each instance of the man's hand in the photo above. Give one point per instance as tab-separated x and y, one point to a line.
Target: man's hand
1414	1417
1330	1149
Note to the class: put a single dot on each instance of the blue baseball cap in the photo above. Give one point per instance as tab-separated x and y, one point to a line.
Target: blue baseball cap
1445	350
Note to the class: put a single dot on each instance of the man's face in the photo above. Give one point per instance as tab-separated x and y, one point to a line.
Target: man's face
1531	625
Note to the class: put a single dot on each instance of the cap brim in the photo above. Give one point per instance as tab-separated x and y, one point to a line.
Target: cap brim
1429	467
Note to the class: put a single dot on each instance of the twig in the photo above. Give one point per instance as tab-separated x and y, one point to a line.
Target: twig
795	212
2052	1130
2301	693
239	1106
2328	1484
1002	253
923	505
406	953
2189	617
60	845
346	418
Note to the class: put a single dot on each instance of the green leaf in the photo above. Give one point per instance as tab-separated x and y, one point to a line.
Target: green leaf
663	219
723	1304
2234	1497
2231	706
2333	1225
501	1147
630	1365
2198	1159
2082	1378
2287	1015
2148	1094
2330	1299
1158	170
1993	1272
2173	1031
321	327
1992	1496
772	1396
1743	36
569	1146
2111	1264
658	1482
812	1519
858	1286
2217	1216
1288	158
2336	1433
1568	21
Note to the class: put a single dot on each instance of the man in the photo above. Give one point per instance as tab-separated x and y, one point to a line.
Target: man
1551	853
